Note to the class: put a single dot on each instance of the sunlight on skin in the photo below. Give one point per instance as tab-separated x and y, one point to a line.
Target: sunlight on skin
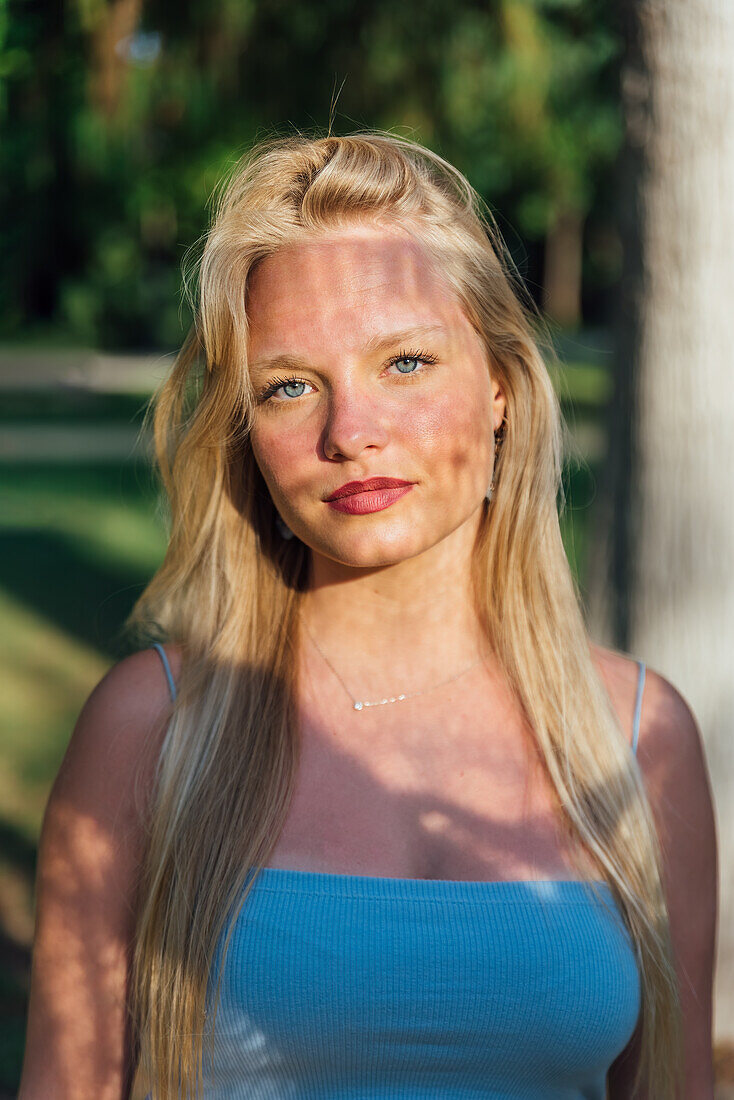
84	915
357	416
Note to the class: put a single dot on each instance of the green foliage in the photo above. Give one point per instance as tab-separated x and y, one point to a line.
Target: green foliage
114	136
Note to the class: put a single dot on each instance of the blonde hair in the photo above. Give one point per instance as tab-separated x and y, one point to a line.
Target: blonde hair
229	587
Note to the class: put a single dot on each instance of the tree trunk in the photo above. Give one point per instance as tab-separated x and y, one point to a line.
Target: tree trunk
669	550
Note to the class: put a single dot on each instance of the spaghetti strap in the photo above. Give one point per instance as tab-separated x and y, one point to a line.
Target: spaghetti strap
167	667
638	706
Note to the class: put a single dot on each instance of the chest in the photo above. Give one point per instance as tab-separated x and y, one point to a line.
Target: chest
430	789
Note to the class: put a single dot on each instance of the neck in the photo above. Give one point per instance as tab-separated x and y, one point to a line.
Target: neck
404	624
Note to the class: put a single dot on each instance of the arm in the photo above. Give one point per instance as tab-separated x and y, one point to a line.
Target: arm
79	1044
673	765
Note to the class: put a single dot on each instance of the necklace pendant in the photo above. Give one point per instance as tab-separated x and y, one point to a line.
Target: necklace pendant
380	702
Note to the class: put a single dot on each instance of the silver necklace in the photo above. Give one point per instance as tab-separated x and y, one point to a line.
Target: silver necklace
360	704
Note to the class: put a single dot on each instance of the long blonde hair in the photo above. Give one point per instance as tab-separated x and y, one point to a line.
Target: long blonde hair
229	587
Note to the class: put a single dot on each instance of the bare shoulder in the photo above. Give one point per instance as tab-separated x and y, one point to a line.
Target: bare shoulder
93	839
672	761
119	722
670	749
619	673
95	813
614	665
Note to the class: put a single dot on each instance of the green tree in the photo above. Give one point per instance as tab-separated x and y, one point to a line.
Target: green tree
118	118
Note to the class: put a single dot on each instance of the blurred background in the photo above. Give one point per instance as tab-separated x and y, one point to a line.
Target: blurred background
602	137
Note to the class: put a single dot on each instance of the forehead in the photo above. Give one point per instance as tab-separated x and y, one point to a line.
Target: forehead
349	286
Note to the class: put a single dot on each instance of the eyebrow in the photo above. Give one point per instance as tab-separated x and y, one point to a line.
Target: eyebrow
374	344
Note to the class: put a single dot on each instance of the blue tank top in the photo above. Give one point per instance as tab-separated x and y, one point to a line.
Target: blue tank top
351	986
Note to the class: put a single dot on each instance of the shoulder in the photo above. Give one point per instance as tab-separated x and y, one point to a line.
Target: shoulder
620	674
133	693
118	731
96	816
673	766
672	760
671	751
91	849
670	748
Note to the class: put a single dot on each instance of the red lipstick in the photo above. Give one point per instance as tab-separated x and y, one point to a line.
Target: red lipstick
372	495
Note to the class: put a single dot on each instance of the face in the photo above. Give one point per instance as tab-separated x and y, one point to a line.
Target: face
365	366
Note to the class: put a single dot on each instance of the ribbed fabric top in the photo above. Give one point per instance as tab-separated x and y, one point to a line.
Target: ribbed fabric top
352	986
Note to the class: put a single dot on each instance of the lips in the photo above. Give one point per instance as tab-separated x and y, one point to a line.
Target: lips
352	487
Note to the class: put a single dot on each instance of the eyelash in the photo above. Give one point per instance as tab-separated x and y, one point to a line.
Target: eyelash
421	356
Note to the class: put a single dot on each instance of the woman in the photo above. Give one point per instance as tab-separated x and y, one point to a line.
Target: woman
391	838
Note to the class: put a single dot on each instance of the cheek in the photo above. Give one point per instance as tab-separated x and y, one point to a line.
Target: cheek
454	433
279	456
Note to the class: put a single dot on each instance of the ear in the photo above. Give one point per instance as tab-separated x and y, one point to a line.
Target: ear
499	404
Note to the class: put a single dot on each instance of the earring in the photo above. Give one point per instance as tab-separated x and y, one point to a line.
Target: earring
283	527
499	437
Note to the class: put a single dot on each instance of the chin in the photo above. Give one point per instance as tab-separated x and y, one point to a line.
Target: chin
376	550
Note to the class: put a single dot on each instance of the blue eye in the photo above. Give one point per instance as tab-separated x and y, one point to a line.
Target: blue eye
405	359
294	382
279	383
411	357
283	383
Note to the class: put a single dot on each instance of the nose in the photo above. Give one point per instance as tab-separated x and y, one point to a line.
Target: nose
354	421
